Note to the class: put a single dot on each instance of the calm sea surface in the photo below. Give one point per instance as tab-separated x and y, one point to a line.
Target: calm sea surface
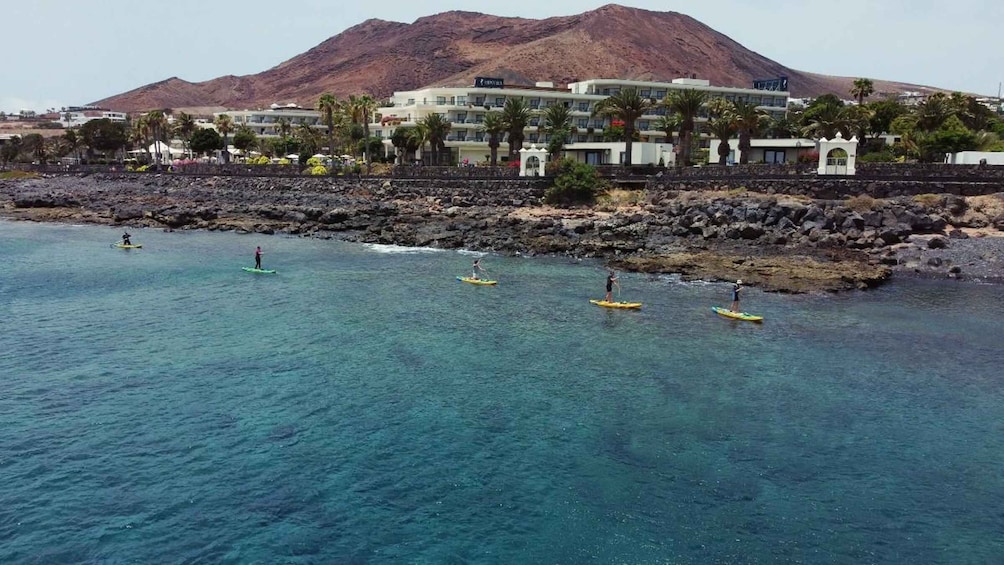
363	407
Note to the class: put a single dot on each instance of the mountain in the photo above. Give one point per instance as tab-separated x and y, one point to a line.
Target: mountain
450	49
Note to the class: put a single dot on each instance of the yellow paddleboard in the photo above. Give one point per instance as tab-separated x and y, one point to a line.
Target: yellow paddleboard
621	305
725	313
477	281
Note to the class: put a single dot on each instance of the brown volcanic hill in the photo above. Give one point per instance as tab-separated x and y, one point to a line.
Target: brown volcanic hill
451	48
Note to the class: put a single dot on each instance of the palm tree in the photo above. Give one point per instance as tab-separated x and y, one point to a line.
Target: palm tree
863	88
436	128
687	103
933	112
558	125
724	127
307	139
825	121
494	126
751	121
416	137
72	142
668	124
329	105
516	115
361	109
139	135
782	128
184	127
225	124
285	128
627	106
158	125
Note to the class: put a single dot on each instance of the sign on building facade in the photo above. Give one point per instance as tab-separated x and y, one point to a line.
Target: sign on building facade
489	82
779	84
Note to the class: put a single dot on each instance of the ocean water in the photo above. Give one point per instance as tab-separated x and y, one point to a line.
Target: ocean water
362	407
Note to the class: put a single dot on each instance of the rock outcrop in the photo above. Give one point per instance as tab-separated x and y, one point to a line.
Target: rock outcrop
775	241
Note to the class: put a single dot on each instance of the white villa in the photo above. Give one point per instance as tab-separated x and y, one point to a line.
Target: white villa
77	116
466	107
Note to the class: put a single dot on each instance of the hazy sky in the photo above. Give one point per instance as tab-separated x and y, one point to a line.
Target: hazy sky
68	52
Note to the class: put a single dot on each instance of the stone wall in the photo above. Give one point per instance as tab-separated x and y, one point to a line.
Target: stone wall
831	188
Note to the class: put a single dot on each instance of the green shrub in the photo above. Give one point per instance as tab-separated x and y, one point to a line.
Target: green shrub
878	157
574	183
318	170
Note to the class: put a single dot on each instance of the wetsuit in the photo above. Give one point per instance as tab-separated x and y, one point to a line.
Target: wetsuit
735	293
257	259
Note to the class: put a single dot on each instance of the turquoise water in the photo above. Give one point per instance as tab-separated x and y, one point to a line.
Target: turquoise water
361	406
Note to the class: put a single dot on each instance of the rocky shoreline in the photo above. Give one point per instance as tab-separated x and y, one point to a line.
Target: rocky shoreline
777	242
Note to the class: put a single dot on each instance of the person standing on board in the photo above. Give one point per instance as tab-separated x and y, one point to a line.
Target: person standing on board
611	282
257	258
735	295
126	239
476	268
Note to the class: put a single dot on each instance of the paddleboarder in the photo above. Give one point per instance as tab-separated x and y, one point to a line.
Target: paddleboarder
477	268
125	239
257	257
611	282
735	295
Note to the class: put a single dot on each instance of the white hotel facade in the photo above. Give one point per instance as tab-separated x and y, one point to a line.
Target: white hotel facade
466	108
266	123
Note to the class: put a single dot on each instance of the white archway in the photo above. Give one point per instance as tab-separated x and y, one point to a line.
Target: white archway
532	161
838	156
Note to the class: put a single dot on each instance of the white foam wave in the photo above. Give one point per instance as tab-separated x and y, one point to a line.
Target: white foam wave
399	249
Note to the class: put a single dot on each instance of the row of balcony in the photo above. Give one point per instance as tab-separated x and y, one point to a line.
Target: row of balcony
775	102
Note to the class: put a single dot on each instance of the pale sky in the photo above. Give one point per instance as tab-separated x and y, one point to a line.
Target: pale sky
72	52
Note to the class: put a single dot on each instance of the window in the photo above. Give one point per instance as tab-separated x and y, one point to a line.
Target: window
583	106
534	103
773	157
500	101
411	102
582	122
461	136
643	126
660	94
646	93
479	101
461	100
440	101
532	138
534	122
461	117
582	138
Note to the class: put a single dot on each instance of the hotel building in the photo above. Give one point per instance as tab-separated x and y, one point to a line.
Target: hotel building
466	107
265	123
